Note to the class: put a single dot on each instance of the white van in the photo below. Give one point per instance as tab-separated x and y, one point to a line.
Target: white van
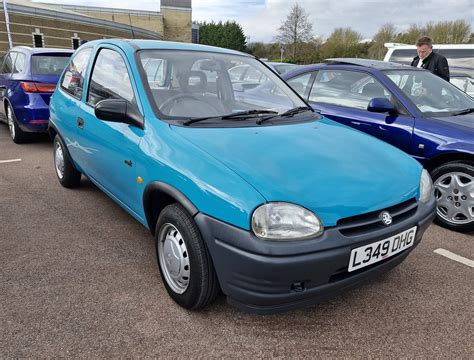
460	60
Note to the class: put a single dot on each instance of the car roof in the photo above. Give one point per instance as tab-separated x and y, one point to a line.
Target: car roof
435	46
32	50
375	64
368	65
139	44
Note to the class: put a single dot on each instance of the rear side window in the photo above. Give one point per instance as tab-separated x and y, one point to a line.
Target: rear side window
403	56
300	84
49	64
110	79
459	57
352	89
73	78
7	67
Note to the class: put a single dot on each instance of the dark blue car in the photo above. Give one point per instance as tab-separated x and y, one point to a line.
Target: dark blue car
410	108
28	77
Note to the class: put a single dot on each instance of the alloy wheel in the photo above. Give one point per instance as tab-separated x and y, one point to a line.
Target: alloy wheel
454	193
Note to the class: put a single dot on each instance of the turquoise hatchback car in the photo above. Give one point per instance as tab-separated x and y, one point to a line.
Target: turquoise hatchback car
249	192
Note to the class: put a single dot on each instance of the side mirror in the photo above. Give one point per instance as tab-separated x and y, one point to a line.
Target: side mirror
120	111
381	105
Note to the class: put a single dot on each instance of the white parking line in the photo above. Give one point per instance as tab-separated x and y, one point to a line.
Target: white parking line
9	161
455	257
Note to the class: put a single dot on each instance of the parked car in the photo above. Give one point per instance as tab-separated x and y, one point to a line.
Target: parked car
410	108
28	77
460	60
275	205
281	68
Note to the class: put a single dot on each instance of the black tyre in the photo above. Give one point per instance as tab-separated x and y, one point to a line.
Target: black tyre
67	174
184	261
454	191
18	136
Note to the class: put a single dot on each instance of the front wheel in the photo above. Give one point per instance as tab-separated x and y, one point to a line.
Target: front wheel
185	264
454	191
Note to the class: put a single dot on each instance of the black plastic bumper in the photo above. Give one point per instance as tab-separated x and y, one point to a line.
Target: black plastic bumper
267	277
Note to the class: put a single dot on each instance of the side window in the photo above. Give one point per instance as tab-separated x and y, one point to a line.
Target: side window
346	88
7	67
110	79
237	72
20	63
300	84
403	56
73	78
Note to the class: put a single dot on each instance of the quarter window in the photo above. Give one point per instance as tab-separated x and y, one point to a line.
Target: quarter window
73	78
20	63
110	79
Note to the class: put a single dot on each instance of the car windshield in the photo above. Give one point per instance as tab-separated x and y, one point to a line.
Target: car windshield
49	64
431	94
188	85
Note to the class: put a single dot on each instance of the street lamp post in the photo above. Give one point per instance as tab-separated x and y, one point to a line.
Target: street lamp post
7	23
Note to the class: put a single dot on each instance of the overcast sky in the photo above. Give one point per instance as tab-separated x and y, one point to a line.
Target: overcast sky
261	18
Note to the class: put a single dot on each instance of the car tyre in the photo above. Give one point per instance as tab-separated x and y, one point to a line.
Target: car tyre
454	192
67	174
185	264
18	136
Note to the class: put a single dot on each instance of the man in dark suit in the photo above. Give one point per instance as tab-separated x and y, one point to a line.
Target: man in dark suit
429	60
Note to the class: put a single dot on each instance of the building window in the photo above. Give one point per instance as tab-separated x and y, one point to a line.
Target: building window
38	40
76	42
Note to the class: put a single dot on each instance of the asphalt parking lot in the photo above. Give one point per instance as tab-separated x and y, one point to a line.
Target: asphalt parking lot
78	278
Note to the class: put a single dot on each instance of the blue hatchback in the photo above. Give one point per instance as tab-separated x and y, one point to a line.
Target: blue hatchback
28	77
410	108
254	194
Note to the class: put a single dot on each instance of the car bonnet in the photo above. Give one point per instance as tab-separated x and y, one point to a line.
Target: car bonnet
326	167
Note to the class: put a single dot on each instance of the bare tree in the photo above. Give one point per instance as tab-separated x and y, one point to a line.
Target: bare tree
387	33
296	28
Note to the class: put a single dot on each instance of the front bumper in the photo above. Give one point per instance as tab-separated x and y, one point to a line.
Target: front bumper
264	277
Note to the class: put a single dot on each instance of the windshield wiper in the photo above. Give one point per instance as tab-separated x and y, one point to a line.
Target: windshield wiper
465	111
241	115
288	113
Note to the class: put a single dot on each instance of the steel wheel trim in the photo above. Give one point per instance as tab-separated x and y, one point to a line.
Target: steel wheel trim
59	160
11	124
454	193
174	258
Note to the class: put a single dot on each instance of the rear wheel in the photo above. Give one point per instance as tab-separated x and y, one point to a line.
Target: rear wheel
185	264
454	191
67	174
18	136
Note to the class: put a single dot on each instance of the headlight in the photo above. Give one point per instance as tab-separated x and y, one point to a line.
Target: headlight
426	186
283	221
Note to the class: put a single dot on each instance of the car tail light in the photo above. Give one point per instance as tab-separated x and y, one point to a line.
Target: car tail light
37	87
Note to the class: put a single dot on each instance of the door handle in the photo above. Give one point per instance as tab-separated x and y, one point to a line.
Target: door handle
80	123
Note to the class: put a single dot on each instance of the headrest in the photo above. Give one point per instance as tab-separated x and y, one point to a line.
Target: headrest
193	81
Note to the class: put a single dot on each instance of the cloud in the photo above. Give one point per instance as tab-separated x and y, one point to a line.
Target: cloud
260	19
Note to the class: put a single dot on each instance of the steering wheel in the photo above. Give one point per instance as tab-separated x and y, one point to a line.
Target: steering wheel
168	104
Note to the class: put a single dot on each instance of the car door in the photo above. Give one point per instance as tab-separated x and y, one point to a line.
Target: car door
343	96
111	162
69	95
5	76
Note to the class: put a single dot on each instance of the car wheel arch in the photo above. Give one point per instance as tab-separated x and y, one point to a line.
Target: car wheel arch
445	158
157	196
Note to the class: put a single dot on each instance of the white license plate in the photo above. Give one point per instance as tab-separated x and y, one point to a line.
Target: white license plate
369	254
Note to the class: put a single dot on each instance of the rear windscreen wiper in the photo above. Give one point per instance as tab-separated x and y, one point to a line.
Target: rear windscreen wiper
241	115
